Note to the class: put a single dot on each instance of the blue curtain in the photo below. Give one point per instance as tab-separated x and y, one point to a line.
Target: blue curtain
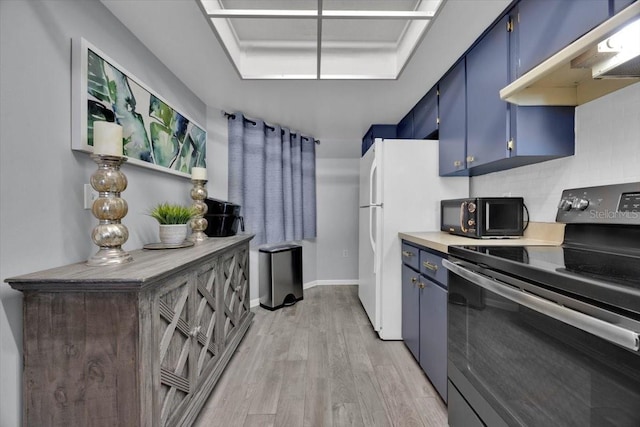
272	175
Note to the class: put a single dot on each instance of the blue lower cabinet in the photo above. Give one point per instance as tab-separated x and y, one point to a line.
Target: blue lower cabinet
411	310
618	5
424	316
433	334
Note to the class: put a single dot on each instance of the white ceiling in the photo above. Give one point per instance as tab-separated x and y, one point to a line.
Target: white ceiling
338	112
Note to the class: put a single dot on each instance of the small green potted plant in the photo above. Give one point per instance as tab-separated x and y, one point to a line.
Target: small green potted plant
173	220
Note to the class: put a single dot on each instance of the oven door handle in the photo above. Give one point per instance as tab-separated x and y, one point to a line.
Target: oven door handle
605	330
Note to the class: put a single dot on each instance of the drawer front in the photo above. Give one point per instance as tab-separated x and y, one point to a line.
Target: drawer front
431	267
410	255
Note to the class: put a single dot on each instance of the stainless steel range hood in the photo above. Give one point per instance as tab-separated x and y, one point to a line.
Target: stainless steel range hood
602	61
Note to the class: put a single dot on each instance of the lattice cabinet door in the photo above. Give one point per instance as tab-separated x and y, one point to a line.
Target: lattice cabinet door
235	269
206	317
175	334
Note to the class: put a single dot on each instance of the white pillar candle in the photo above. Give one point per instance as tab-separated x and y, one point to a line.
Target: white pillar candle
198	173
107	139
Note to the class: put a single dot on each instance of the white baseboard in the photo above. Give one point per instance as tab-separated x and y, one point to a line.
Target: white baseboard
336	282
256	302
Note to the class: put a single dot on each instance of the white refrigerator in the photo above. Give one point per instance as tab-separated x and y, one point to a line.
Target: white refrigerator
400	190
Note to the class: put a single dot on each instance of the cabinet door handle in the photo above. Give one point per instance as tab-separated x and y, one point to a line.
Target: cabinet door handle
429	266
194	333
407	254
421	285
470	159
413	281
457	163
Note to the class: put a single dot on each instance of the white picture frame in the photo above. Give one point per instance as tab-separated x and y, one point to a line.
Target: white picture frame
156	135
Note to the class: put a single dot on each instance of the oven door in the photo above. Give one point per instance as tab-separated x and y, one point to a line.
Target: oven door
522	355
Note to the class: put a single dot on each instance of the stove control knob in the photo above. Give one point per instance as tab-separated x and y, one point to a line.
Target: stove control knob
580	204
471	207
471	222
565	204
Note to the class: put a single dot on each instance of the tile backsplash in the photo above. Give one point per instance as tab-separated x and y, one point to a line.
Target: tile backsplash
607	152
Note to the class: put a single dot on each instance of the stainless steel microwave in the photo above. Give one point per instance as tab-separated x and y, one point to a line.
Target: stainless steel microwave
483	217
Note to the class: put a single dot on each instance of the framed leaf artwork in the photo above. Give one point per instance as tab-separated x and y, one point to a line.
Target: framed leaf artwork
155	134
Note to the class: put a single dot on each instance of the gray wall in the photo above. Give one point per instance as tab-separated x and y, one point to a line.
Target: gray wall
607	152
42	220
338	183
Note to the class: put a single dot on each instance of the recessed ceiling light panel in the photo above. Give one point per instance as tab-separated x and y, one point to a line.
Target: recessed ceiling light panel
319	39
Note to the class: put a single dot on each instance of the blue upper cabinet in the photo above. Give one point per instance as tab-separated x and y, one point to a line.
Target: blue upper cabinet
453	118
545	27
405	127
425	116
502	135
377	131
422	121
478	132
487	73
538	134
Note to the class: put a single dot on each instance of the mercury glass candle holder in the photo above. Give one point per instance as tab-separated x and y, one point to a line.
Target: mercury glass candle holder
198	222
109	208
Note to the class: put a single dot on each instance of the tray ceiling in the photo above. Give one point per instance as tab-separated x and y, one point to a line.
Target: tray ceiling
319	39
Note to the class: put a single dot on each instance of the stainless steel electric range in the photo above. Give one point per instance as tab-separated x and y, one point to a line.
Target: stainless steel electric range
549	336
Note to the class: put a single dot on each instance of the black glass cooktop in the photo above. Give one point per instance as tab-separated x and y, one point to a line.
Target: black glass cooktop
612	278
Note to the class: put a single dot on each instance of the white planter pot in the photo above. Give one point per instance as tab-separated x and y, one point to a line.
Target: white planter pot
173	234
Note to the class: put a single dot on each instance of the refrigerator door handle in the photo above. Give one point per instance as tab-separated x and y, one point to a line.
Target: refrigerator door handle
373	243
372	172
372	204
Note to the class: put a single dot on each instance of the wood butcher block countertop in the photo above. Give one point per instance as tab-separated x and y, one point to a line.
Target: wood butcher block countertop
538	233
147	267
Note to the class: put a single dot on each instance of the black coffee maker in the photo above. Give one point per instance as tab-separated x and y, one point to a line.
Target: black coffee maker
222	218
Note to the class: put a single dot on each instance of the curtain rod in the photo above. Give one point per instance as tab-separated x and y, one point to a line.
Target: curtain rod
231	115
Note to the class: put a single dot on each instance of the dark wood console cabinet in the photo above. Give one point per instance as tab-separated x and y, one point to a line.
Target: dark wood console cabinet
140	344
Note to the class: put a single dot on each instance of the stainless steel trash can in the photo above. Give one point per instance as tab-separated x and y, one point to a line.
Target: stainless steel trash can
280	275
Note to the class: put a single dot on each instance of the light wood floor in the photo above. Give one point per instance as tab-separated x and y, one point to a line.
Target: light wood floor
319	363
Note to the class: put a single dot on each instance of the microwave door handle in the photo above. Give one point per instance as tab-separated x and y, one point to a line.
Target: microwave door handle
592	325
462	210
